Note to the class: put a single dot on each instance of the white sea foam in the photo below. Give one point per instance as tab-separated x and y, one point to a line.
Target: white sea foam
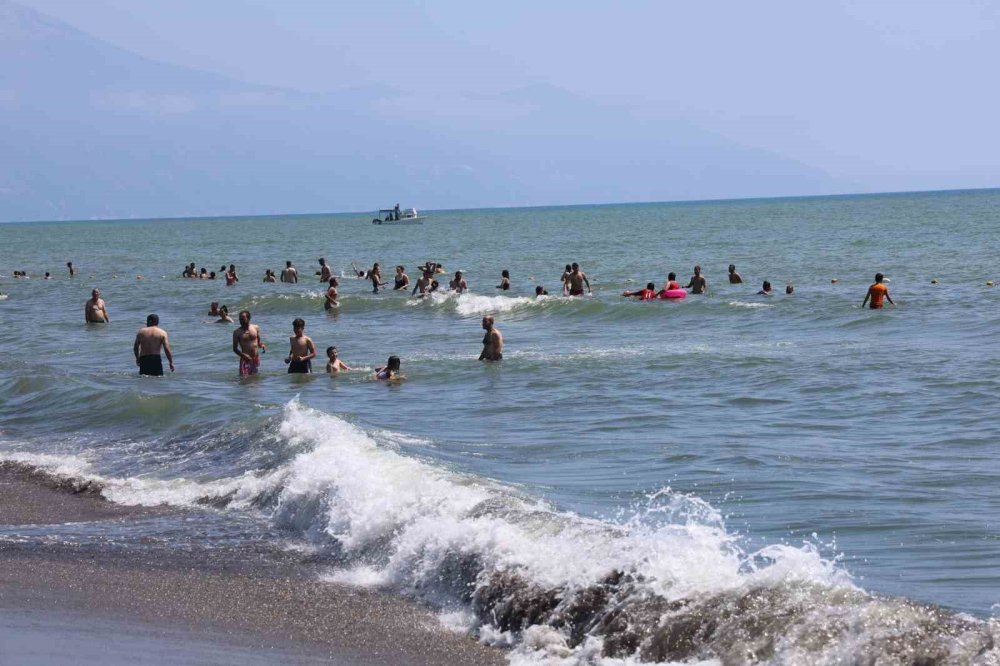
405	525
469	304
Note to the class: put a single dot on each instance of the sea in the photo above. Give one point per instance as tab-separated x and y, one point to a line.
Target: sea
727	478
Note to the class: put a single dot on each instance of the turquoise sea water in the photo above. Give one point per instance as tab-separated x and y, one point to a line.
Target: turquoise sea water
709	442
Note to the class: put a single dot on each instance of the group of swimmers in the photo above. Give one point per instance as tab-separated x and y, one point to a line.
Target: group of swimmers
151	341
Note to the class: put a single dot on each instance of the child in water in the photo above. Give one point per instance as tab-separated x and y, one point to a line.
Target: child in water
333	363
390	371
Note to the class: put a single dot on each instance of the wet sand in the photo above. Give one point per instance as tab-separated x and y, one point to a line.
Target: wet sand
61	603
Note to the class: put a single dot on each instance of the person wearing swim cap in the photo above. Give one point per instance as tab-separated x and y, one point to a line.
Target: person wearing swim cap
647	294
876	293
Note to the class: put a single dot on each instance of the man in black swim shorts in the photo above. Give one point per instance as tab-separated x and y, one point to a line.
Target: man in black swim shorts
148	343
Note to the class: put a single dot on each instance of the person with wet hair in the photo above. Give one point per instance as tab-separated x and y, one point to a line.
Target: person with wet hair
301	350
248	345
492	341
766	289
390	371
734	277
504	280
647	294
149	341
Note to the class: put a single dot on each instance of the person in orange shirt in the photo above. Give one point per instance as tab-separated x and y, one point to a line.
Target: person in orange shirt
876	293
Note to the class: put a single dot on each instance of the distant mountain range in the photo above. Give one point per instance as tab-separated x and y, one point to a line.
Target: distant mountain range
88	129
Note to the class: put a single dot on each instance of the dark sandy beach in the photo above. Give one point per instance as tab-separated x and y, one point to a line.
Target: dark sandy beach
69	604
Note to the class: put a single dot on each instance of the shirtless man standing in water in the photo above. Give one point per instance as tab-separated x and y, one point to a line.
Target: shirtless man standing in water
248	345
698	284
148	343
324	271
95	311
492	341
577	278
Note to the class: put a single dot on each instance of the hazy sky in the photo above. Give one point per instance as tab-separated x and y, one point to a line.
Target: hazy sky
897	95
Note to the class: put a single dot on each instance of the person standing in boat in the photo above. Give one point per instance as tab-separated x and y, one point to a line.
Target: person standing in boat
396	212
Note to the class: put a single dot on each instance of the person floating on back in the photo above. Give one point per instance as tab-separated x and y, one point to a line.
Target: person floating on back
301	350
492	341
647	294
876	293
148	343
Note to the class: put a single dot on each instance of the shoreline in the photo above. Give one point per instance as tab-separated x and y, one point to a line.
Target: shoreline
228	603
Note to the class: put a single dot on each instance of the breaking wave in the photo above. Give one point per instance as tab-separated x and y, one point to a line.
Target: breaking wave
668	584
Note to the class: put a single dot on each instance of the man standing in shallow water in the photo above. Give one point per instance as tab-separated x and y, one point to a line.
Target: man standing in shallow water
492	341
576	280
148	343
876	293
698	284
248	345
95	311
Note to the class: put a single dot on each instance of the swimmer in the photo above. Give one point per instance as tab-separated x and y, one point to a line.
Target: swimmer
231	277
148	343
224	317
248	345
95	311
402	280
876	293
423	284
269	276
734	277
301	349
577	278
290	274
72	270
390	371
789	289
330	298
458	283
698	284
565	279
357	273
670	285
435	285
647	294
492	341
333	362
324	271
766	289
504	280
48	276
211	275
540	291
213	309
375	275
188	270
203	275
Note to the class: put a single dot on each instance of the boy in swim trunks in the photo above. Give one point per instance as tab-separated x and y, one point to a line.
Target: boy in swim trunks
876	293
698	283
301	350
248	345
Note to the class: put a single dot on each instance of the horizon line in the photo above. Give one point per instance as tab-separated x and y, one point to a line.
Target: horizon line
230	216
